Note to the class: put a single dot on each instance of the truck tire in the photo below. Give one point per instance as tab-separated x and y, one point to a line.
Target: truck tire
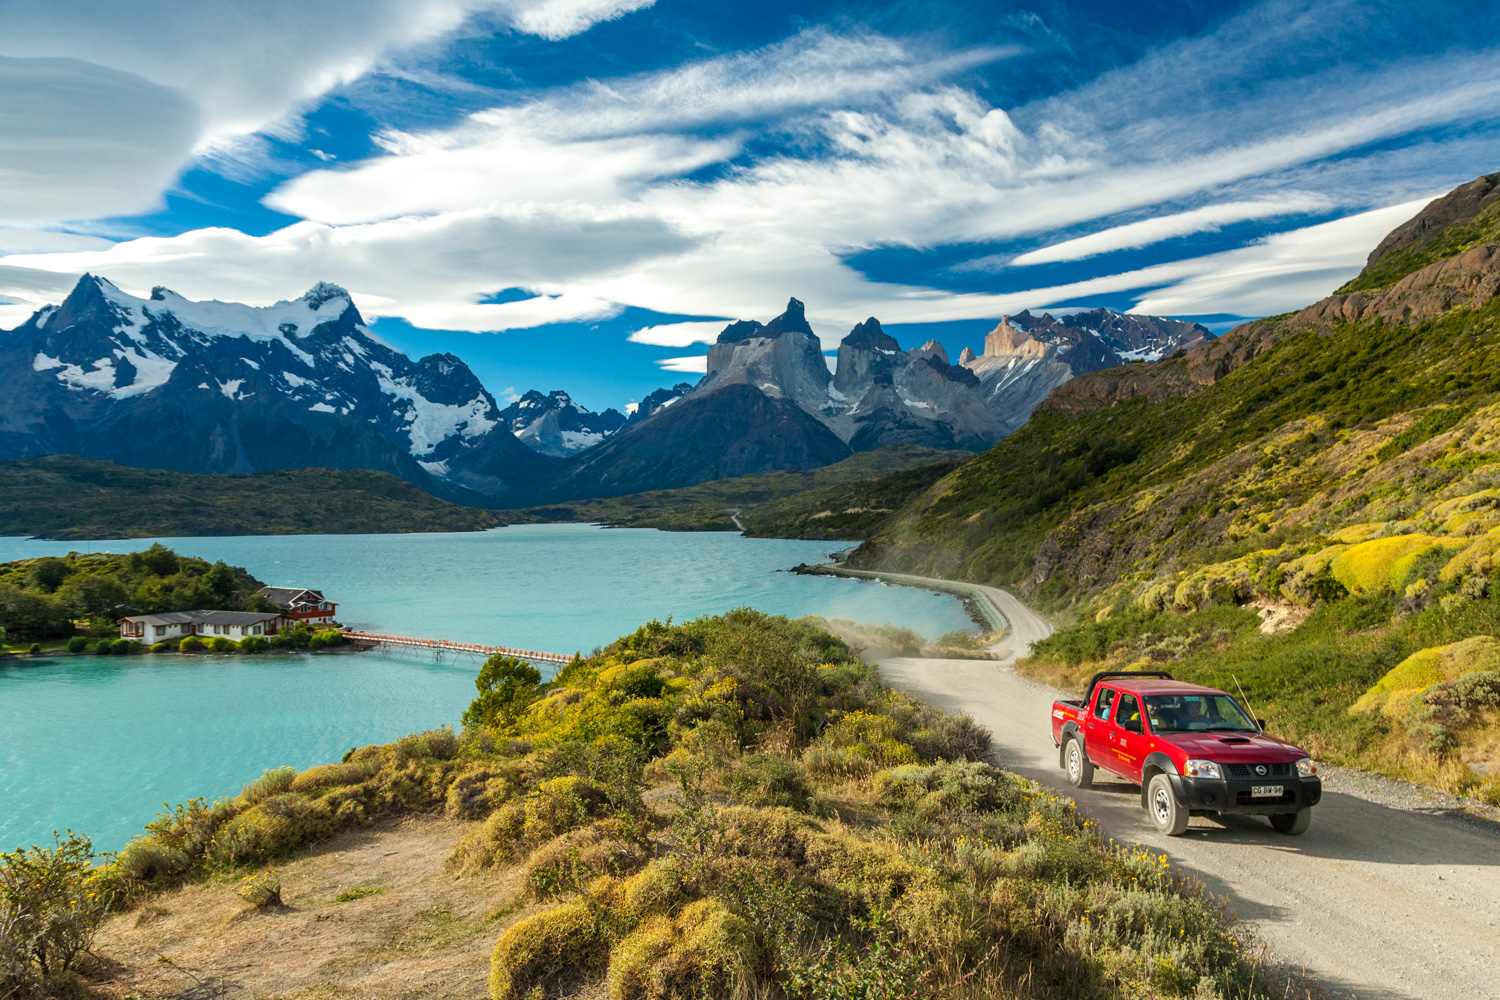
1292	823
1080	771
1161	802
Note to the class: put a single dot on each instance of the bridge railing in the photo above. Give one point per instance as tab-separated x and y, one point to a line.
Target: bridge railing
456	647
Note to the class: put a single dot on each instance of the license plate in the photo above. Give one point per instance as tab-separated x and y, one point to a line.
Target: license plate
1265	791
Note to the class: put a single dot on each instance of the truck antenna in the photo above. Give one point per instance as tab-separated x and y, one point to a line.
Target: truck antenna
1253	716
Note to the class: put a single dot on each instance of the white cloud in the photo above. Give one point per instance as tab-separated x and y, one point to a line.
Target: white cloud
557	19
1209	218
47	241
693	364
679	334
116	97
80	141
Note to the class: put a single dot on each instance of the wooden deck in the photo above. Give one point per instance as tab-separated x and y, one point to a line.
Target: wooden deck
449	646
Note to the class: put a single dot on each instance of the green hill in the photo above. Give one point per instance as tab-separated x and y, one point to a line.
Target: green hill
847	499
65	497
1342	461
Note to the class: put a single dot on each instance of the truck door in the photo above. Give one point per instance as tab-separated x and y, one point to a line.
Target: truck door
1129	740
1097	729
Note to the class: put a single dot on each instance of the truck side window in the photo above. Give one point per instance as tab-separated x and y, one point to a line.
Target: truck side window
1103	702
1128	715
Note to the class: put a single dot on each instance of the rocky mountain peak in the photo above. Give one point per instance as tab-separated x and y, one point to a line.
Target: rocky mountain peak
740	331
1008	339
794	319
932	349
323	292
966	357
868	336
1463	204
555	425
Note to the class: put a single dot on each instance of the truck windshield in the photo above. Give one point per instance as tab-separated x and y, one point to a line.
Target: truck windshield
1188	713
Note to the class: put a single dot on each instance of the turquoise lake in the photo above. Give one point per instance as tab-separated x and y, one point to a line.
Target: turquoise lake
97	744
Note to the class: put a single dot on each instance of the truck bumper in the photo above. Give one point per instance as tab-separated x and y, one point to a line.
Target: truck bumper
1232	796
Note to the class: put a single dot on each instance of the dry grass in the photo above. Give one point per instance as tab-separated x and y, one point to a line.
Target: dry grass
373	912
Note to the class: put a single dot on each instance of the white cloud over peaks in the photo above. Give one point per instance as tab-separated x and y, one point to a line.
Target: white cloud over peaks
130	91
1133	235
693	364
679	334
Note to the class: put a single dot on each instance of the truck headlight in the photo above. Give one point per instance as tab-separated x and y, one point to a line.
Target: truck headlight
1306	767
1202	769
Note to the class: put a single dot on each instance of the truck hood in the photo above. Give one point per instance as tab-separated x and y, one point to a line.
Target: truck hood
1235	748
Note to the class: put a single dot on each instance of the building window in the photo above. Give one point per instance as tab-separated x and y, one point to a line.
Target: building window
160	630
255	630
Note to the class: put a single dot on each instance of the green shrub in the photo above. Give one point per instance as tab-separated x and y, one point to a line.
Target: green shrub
36	647
222	644
78	644
253	644
262	890
104	647
271	782
765	779
325	639
124	647
51	905
191	644
548	952
161	647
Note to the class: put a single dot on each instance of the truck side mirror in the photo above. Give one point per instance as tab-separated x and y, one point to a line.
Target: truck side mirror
1261	723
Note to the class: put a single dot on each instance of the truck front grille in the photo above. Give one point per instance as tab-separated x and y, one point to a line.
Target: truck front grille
1248	771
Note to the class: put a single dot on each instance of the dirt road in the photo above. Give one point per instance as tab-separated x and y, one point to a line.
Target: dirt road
1377	900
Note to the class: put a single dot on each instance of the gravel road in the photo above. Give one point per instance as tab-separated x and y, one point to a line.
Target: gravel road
1392	893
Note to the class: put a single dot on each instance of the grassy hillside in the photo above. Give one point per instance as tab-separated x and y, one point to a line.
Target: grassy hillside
843	500
1344	460
731	807
61	496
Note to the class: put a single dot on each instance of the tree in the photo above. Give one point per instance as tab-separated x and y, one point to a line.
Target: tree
220	579
158	560
49	573
261	603
93	594
506	686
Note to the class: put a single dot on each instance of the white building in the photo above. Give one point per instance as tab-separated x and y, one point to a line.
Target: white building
173	624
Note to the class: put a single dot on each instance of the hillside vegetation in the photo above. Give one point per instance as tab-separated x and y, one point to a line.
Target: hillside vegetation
844	500
66	497
731	807
1343	461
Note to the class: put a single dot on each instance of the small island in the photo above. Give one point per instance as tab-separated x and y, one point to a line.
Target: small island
156	600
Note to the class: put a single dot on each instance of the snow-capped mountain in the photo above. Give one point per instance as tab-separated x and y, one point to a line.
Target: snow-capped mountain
164	382
555	425
1026	357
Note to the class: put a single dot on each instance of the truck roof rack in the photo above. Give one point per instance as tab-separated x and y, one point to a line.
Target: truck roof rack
1088	694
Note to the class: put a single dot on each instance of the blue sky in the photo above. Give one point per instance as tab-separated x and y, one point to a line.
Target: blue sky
579	193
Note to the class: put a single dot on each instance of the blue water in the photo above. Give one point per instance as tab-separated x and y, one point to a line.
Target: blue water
98	743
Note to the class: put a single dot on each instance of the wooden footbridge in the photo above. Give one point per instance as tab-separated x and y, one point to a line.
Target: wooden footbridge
449	646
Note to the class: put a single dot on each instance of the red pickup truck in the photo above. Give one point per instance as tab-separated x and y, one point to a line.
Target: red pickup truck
1193	750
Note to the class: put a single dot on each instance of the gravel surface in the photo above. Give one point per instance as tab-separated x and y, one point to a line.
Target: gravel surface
1393	892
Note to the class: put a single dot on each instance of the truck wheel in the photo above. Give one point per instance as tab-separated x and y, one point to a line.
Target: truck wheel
1292	823
1168	817
1080	771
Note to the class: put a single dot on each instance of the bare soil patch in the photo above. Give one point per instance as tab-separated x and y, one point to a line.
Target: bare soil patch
371	913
